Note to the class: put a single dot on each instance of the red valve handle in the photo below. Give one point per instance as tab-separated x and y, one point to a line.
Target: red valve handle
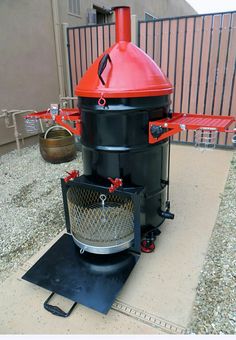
72	175
115	184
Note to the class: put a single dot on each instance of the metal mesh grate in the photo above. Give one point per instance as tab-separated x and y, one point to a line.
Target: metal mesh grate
31	125
206	138
99	221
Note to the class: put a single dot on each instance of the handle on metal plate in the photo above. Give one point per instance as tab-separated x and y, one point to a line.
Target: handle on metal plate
102	65
55	310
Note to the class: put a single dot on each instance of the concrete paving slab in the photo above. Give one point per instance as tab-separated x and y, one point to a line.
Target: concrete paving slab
165	281
22	312
161	288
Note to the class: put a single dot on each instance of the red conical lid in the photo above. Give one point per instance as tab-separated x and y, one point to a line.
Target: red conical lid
125	70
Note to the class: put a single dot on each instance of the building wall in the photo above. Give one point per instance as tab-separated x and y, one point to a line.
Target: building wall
157	8
28	69
164	8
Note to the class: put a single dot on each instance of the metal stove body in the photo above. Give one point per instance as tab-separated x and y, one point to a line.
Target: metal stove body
115	146
119	95
125	123
123	191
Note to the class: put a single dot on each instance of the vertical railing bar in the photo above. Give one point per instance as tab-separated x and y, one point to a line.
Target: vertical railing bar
208	65
225	69
231	98
161	42
191	69
69	59
158	44
85	47
75	57
200	64
80	53
103	40
176	51
154	40
109	35
146	36
183	67
232	91
217	64
139	39
226	64
168	52
91	43
184	52
97	40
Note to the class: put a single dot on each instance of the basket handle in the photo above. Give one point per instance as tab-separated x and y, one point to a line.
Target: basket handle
52	127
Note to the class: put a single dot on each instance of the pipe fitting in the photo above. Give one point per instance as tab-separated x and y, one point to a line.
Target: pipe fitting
123	23
167	214
234	140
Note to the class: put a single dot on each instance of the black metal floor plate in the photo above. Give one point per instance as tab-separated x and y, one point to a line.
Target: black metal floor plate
91	280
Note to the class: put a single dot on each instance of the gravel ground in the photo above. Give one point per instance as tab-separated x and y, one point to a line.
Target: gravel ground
31	205
32	214
214	310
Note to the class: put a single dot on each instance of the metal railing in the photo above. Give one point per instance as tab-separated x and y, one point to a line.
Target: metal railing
197	53
85	44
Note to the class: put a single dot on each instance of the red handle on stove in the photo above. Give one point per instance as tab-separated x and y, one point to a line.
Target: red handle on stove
115	184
